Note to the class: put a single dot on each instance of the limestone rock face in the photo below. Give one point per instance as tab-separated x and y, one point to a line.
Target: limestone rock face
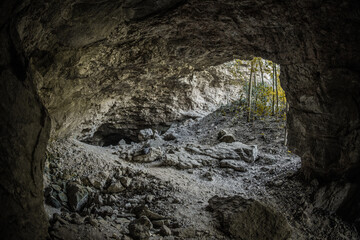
24	132
249	219
131	64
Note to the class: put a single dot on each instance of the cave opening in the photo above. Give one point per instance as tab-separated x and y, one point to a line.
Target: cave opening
227	137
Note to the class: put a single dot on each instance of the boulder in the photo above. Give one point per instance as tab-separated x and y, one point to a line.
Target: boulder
247	153
221	133
249	219
170	136
147	155
236	165
165	231
145	134
229	138
115	187
77	196
140	228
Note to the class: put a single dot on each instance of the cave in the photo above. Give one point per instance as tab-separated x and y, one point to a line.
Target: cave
101	71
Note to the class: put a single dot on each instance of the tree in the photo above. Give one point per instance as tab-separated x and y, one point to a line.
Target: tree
276	89
250	91
262	98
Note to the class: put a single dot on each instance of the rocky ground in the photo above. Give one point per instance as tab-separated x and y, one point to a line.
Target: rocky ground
216	177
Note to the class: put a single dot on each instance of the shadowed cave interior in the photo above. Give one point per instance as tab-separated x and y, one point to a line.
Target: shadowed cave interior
121	120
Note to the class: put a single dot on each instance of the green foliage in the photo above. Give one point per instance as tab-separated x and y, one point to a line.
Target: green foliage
263	94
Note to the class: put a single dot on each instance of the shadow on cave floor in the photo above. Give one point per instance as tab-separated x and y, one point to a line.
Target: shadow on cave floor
186	184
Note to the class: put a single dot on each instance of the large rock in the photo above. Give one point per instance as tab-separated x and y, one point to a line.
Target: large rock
115	187
145	134
140	228
249	219
228	138
234	150
147	155
236	165
24	132
342	198
77	196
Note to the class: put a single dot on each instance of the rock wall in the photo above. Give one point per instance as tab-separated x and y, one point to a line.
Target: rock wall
157	106
24	133
83	55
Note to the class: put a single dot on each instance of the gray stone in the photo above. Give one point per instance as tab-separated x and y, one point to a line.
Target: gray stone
221	133
144	211
249	219
148	155
246	152
77	196
115	187
56	187
145	134
165	231
170	136
236	165
140	228
229	138
52	201
62	197
125	181
332	196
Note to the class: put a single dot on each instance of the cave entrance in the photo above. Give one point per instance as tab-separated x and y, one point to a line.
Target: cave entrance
237	147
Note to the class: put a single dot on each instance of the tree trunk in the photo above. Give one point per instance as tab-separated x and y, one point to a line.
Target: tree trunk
256	93
262	73
250	93
273	97
277	92
286	127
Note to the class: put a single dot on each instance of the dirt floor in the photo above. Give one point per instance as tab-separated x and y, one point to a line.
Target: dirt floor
160	187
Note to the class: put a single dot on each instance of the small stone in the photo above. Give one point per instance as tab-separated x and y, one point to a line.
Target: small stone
227	138
207	176
56	187
75	218
221	133
158	223
170	137
52	201
115	188
140	228
165	231
62	197
59	219
233	164
91	221
145	134
125	181
144	211
149	198
104	211
151	155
